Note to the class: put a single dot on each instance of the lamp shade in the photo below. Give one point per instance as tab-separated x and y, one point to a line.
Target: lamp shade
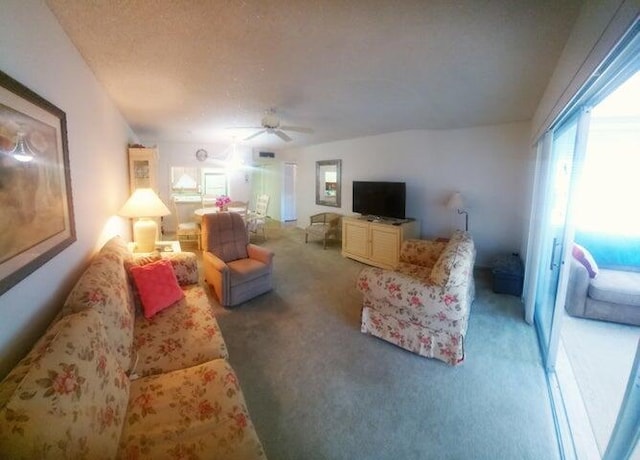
455	201
144	202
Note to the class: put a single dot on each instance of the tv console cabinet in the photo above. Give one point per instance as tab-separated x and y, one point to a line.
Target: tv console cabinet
376	242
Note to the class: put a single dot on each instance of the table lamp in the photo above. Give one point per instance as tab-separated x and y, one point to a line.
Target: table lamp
455	202
144	204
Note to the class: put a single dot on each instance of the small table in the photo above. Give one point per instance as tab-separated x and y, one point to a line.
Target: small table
162	246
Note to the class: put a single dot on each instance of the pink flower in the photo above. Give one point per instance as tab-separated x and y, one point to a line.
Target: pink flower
144	401
95	296
222	201
66	382
102	364
209	376
393	287
241	420
205	410
448	299
107	417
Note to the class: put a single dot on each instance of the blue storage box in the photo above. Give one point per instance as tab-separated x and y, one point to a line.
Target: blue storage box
507	274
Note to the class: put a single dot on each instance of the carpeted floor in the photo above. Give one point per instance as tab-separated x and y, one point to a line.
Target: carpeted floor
317	388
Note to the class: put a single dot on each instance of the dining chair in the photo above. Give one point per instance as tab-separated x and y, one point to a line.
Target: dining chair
241	207
257	219
186	232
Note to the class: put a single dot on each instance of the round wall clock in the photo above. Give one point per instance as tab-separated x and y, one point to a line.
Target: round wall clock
201	154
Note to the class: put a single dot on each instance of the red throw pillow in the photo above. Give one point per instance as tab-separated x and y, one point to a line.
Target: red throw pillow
585	258
157	285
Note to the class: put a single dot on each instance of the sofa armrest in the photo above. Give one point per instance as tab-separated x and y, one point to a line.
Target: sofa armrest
575	302
259	253
421	252
185	265
420	297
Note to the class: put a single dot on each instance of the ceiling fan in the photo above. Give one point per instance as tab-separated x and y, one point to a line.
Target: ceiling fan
271	125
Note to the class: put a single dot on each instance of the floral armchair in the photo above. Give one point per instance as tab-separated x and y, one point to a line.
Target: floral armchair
423	306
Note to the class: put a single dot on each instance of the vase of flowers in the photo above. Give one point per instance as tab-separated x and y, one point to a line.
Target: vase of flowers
222	201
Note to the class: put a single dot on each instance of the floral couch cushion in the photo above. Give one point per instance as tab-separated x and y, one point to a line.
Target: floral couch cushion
17	374
406	292
183	335
185	266
72	401
104	287
198	412
424	253
453	266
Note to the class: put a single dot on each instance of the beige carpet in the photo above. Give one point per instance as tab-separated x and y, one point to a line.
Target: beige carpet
601	355
317	388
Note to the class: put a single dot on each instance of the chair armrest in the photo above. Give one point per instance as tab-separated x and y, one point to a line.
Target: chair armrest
185	266
259	253
575	302
419	297
214	261
421	252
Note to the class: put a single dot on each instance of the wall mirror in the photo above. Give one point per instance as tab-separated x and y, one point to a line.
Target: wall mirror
328	177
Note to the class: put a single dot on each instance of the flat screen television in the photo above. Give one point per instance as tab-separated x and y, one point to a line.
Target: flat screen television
380	199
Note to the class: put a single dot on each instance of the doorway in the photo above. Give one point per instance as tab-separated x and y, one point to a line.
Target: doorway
595	357
289	192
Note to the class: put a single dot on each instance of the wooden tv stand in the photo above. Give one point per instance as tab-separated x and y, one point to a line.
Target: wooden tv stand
376	241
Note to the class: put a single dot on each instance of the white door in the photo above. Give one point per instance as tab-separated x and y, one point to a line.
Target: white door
289	191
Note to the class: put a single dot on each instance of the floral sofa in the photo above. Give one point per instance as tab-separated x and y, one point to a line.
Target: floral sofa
105	382
422	306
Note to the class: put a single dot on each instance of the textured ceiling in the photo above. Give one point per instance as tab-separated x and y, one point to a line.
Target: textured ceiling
188	70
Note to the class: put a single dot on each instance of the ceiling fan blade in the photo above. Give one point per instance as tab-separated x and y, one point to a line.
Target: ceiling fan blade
256	134
244	127
282	135
297	129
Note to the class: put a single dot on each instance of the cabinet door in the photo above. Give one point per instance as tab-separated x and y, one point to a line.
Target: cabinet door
355	238
385	244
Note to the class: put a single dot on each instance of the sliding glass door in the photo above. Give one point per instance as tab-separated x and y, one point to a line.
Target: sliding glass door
561	153
559	162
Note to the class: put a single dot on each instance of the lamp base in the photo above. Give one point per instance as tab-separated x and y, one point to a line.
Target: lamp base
144	234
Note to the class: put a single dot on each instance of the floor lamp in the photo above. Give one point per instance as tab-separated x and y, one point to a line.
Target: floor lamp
144	205
455	202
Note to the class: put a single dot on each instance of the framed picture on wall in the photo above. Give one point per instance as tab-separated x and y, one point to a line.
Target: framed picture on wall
36	208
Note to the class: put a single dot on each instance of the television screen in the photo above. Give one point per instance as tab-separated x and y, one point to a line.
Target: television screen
380	199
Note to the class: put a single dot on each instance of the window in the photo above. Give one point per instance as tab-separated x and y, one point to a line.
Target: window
185	181
215	182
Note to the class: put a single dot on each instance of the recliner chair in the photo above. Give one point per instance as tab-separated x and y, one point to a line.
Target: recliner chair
236	269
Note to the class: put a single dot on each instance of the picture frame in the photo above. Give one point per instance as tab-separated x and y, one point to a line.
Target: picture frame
36	206
328	183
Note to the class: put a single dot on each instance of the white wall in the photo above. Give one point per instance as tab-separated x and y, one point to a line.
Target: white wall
486	164
35	51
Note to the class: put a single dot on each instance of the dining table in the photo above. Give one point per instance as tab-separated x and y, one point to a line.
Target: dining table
199	212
